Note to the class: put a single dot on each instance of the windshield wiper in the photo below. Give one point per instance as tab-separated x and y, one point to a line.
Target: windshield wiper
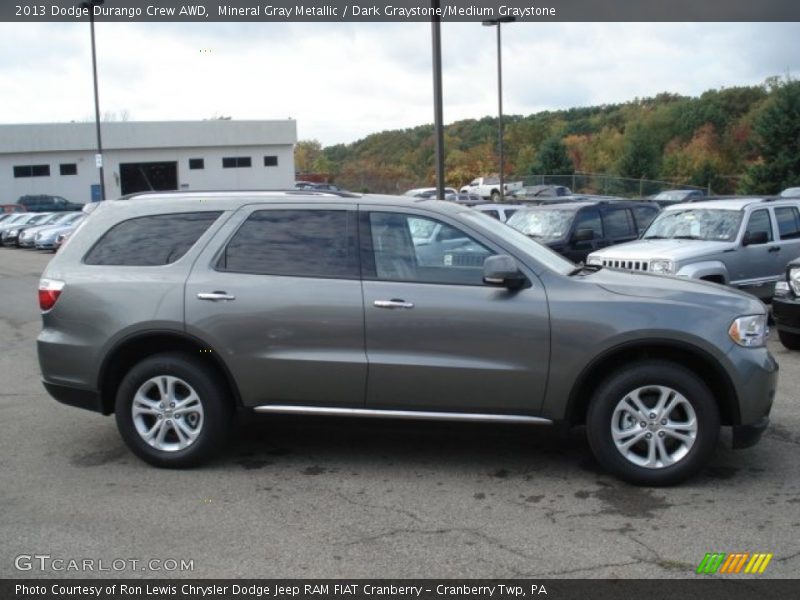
582	267
654	237
686	237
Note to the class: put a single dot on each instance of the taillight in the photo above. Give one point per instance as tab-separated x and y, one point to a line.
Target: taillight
49	291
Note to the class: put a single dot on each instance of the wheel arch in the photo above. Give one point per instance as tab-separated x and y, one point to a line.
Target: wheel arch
697	360
130	350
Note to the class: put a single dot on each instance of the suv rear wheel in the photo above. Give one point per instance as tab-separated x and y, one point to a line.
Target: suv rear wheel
171	412
653	423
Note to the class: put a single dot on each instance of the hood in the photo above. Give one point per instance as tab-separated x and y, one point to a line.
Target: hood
676	250
675	289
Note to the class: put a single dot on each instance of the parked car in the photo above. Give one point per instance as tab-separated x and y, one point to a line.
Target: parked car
10	232
173	314
47	238
5	216
464	199
499	211
792	192
47	203
26	237
541	191
11	208
576	229
316	185
744	243
786	306
489	188
429	192
668	197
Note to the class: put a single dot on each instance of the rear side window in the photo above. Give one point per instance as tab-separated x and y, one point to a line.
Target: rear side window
150	241
788	222
295	243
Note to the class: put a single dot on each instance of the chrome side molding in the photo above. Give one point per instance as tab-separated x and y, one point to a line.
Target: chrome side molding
399	414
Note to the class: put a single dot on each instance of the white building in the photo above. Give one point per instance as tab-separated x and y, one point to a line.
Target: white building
60	158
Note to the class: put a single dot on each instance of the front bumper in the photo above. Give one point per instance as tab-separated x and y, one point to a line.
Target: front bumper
745	436
755	373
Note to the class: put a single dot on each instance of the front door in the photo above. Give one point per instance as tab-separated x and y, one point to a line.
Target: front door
438	339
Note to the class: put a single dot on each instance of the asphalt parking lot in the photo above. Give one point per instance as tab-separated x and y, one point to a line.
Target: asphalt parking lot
302	497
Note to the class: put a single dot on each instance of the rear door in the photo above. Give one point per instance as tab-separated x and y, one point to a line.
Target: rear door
438	339
277	294
787	219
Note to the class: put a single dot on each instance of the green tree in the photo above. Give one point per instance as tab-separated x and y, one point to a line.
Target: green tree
640	155
777	139
553	158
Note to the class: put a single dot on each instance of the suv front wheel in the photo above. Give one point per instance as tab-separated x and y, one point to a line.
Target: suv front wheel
171	412
653	423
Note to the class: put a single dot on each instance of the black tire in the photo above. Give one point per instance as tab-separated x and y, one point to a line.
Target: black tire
212	425
495	196
649	374
790	340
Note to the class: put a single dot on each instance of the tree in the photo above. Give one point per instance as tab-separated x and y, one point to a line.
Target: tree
553	159
777	139
306	153
640	155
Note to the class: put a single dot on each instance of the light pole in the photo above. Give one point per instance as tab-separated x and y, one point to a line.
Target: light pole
436	40
491	23
90	4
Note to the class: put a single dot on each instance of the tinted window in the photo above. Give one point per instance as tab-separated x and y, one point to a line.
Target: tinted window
644	215
788	222
403	250
299	243
270	161
590	219
618	223
759	221
32	171
235	162
197	163
492	213
150	241
68	169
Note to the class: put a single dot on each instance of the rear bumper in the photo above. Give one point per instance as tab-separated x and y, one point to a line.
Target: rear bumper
745	436
80	398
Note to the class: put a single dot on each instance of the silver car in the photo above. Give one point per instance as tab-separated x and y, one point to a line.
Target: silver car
177	310
45	238
743	243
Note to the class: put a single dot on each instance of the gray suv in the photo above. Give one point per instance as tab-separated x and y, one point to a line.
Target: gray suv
744	243
174	310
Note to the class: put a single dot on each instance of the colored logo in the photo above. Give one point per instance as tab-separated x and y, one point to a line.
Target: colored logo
735	563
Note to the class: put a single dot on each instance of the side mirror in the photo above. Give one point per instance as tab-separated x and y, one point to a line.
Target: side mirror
753	238
583	235
502	270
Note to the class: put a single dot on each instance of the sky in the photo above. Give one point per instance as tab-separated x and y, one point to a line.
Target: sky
344	81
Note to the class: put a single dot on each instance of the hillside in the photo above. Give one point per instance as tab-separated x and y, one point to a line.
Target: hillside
722	139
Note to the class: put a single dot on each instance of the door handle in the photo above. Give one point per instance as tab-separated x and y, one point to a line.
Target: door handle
393	303
216	296
775	249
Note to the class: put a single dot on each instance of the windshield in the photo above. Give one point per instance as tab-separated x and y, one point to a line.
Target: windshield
534	249
543	224
707	224
672	196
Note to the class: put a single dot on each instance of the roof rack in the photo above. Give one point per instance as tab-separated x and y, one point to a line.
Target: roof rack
291	192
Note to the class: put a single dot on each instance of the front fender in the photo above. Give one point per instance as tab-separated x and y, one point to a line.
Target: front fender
701	270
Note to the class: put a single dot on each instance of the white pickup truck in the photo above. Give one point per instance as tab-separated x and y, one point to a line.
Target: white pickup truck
489	187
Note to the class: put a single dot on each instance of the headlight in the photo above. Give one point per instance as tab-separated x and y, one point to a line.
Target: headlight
750	331
662	266
12	232
781	289
594	260
794	280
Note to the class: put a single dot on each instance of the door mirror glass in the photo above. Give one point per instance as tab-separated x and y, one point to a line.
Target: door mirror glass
583	235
